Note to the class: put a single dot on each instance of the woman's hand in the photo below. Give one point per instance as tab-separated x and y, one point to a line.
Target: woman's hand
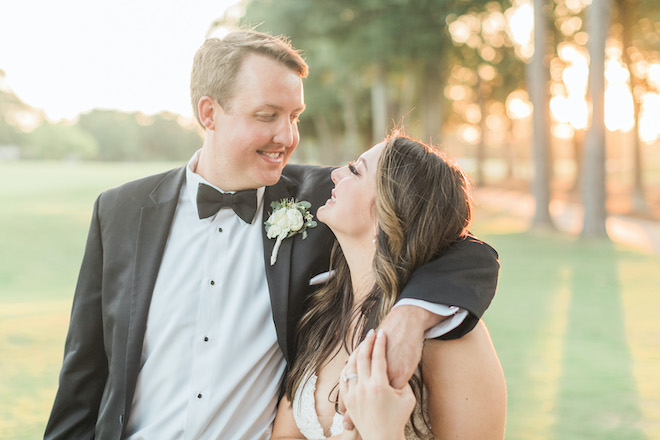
377	410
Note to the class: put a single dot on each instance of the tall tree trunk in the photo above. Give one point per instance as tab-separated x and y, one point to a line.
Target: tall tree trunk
406	101
510	150
627	10
379	104
352	147
480	158
538	85
578	152
432	104
593	184
329	154
638	193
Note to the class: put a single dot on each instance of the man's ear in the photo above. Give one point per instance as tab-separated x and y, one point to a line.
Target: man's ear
207	111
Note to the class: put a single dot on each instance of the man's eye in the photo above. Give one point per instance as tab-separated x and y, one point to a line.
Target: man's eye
352	169
267	117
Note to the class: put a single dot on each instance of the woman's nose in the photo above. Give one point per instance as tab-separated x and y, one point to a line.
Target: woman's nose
336	174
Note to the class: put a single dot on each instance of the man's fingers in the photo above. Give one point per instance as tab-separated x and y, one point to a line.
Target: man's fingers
364	356
378	359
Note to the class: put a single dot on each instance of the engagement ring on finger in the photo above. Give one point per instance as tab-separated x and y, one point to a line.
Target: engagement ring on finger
349	377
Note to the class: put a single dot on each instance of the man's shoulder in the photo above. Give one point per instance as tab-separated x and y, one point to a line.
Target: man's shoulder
300	173
141	188
309	182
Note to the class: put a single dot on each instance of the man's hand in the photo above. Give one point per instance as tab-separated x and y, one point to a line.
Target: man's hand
405	327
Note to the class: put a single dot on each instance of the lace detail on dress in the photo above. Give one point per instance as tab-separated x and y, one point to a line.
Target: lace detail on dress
304	412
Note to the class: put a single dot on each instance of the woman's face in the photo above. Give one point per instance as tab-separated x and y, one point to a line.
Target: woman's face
350	211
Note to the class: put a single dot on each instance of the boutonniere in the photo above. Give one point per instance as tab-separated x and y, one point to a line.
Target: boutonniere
289	218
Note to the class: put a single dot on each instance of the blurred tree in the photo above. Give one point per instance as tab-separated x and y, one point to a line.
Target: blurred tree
16	117
593	184
59	141
627	14
163	138
9	134
135	136
539	94
117	133
488	51
639	47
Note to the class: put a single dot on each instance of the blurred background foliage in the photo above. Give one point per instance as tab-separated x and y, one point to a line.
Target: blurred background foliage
100	134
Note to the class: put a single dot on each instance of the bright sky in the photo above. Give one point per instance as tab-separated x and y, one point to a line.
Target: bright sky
69	56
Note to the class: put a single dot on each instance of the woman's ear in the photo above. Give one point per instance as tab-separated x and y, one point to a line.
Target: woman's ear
376	233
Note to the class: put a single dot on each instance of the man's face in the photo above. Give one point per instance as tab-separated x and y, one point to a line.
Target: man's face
257	130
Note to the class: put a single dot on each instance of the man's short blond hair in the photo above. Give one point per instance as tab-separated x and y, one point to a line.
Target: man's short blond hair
218	61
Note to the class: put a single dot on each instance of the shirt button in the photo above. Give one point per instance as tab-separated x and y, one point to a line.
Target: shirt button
212	283
219	229
206	339
199	396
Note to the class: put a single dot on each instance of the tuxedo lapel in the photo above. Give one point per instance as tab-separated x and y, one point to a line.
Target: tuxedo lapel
155	222
278	275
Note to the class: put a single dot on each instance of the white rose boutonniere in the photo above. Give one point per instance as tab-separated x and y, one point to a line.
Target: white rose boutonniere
289	218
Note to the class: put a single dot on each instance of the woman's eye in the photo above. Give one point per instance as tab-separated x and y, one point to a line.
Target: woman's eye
352	169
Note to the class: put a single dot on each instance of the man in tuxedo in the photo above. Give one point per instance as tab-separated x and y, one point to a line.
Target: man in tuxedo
180	326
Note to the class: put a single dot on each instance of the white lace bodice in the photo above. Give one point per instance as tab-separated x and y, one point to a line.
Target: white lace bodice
304	412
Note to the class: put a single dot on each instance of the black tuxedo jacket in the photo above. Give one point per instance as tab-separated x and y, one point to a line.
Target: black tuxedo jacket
129	229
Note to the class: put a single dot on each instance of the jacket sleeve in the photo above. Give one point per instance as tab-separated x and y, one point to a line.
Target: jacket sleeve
85	366
465	275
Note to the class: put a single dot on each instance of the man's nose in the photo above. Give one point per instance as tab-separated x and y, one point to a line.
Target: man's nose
285	133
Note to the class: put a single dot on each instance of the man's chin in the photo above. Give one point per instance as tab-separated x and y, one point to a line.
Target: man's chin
271	178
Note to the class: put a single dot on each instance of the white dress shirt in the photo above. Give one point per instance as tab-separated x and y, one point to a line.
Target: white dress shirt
211	364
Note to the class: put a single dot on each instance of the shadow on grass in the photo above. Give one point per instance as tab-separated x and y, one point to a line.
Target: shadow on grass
598	396
557	323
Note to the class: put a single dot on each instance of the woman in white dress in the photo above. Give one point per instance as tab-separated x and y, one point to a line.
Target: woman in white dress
394	209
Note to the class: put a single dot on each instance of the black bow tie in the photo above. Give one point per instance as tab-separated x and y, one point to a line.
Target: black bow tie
210	201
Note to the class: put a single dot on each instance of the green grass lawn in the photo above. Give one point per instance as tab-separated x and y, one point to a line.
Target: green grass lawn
575	323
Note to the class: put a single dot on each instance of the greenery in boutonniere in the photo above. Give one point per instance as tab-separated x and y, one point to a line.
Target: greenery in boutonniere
289	218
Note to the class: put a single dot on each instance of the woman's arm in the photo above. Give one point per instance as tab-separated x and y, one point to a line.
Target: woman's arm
467	391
